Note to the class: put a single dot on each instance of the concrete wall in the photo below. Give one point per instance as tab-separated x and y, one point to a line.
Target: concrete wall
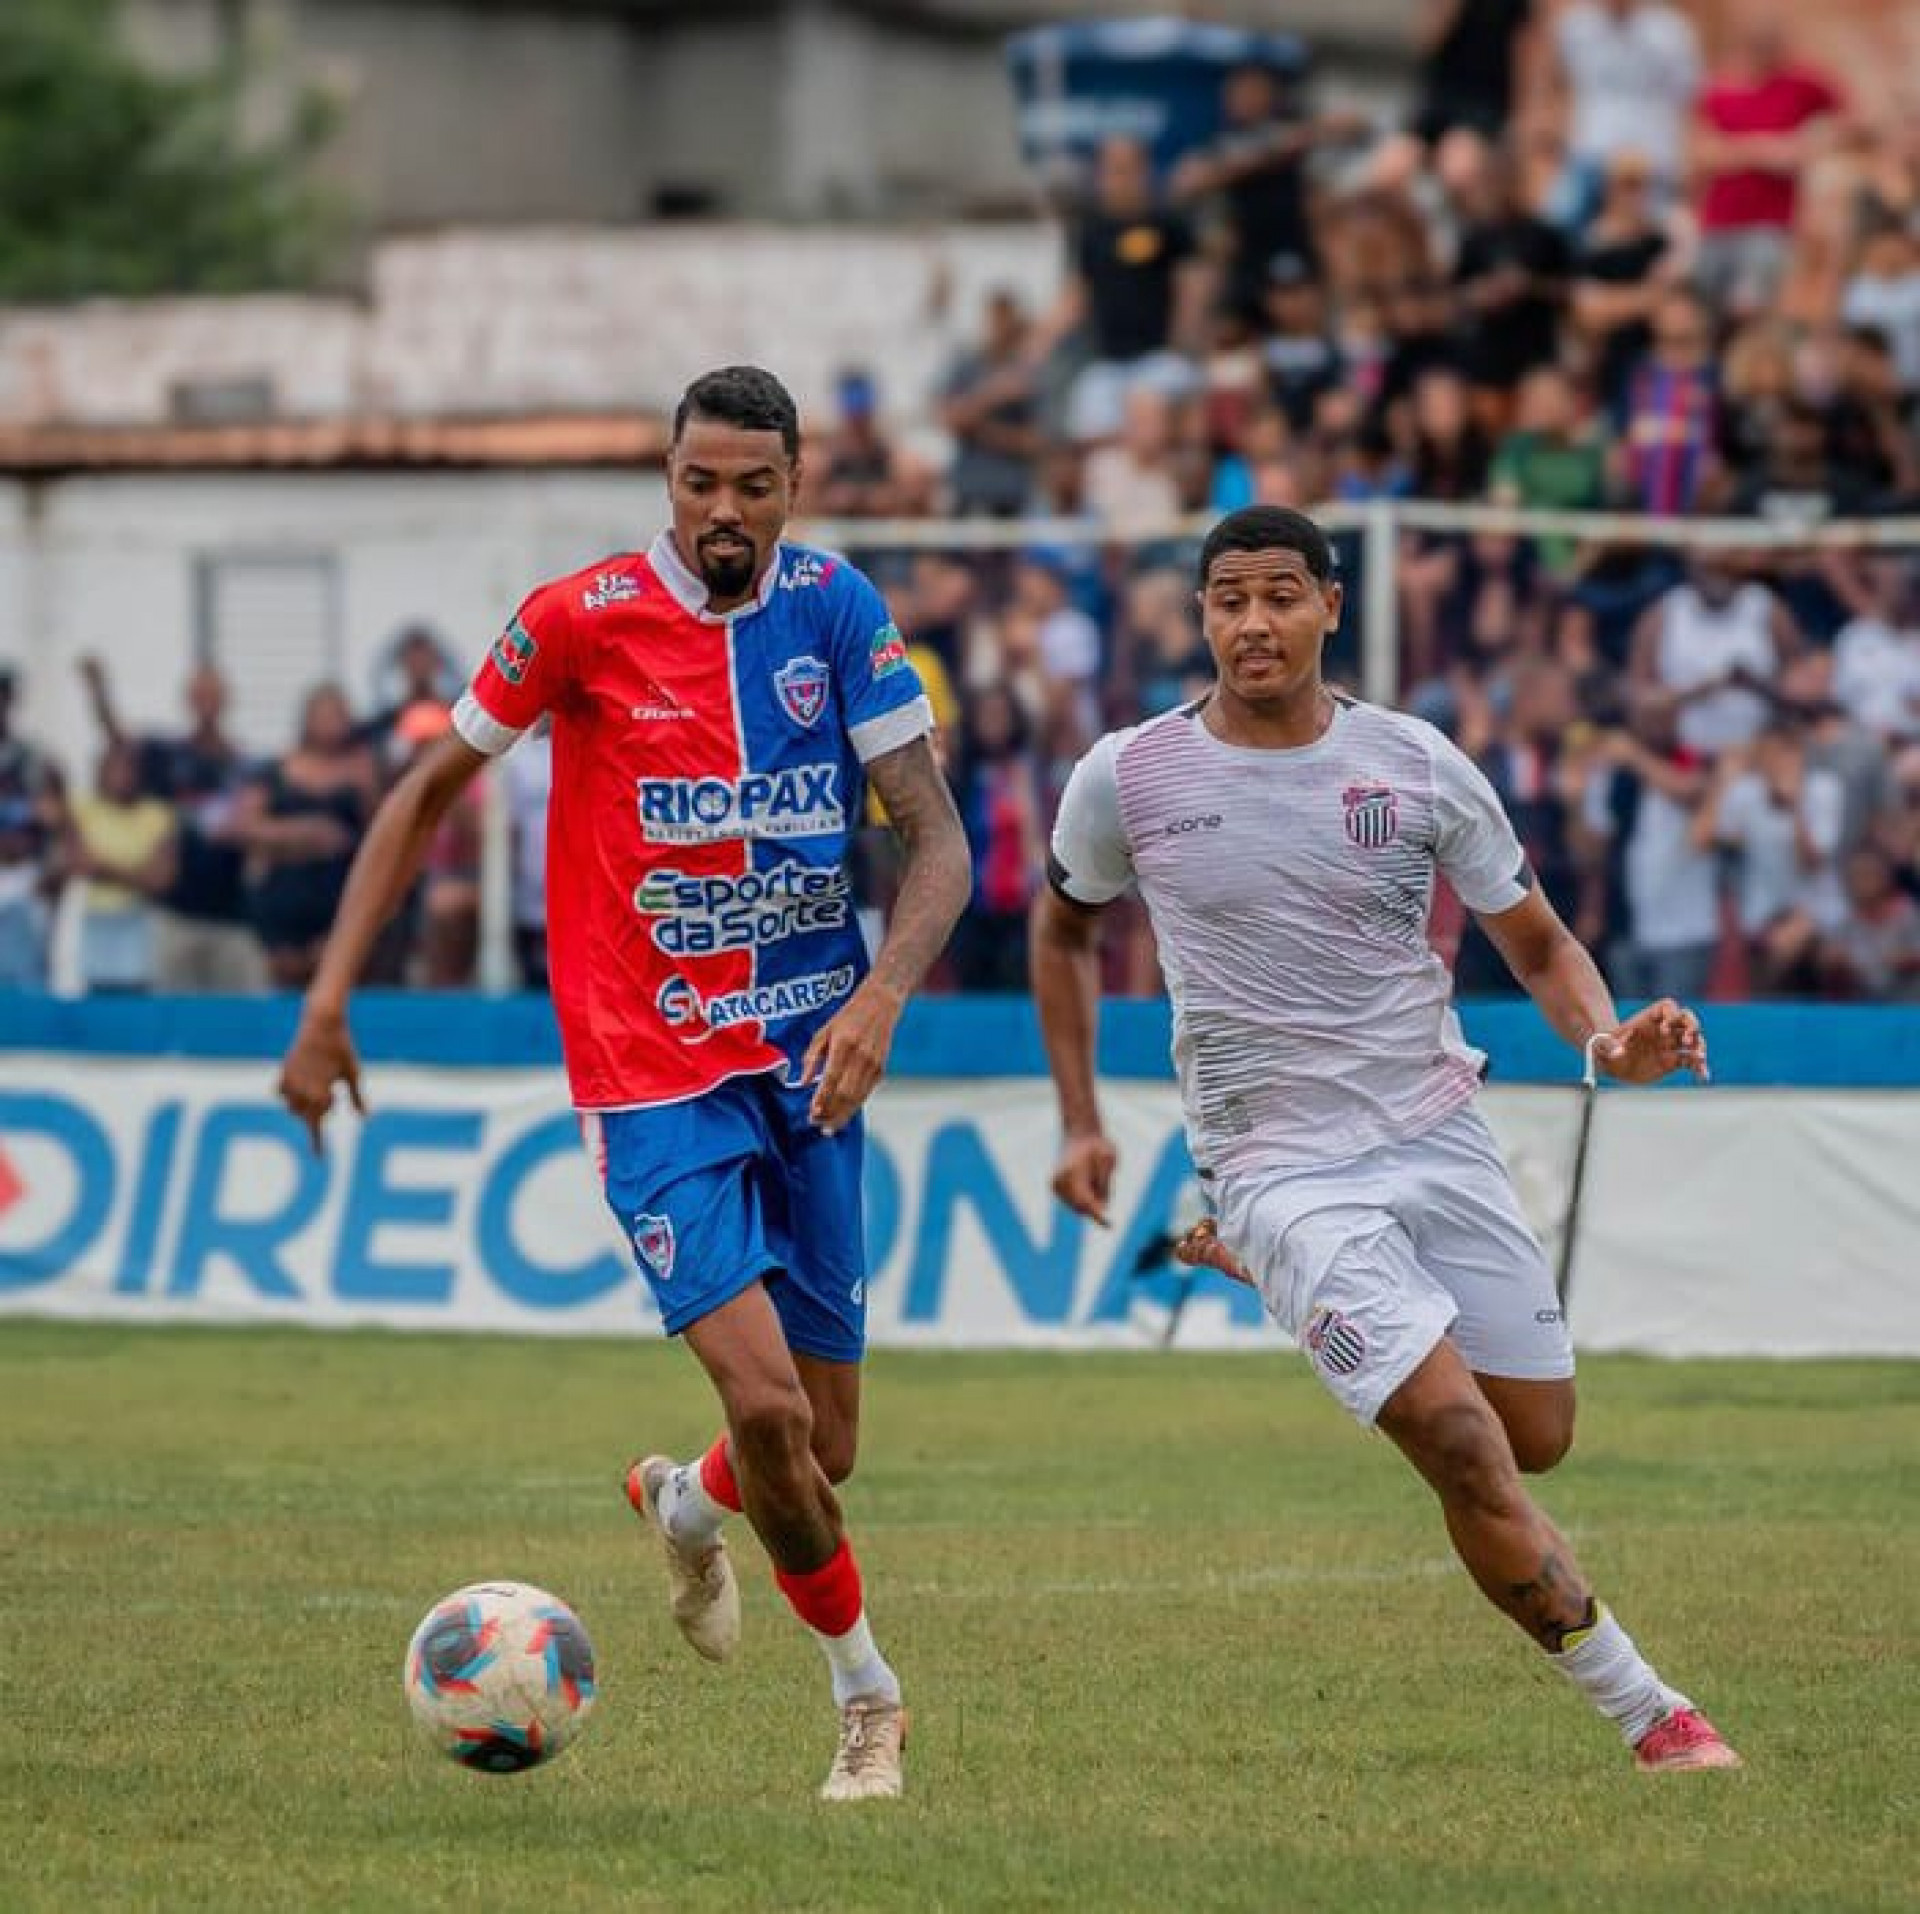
502	113
110	565
503	321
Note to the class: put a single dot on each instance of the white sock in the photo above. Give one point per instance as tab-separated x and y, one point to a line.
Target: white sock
858	1668
1606	1667
688	1513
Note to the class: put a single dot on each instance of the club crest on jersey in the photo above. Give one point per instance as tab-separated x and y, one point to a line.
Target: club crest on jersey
513	653
802	686
653	1238
1334	1341
609	588
1373	814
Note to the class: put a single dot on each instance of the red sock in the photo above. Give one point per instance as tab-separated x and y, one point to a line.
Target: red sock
716	1476
827	1599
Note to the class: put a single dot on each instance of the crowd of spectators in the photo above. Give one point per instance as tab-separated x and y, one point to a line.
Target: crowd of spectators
191	865
1594	267
1598	267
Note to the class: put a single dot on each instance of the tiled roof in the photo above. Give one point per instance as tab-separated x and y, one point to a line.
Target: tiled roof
540	439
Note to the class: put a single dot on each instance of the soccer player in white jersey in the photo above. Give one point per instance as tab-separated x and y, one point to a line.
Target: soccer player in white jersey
1285	842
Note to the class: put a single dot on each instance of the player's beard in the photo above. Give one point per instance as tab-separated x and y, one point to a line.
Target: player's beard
727	574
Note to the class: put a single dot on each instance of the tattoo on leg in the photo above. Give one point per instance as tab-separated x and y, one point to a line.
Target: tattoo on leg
1552	1606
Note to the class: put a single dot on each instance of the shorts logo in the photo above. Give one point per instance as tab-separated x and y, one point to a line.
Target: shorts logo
513	653
802	686
653	1238
1334	1341
609	588
889	652
1373	814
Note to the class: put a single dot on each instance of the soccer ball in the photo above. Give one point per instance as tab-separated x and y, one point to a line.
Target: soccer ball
499	1676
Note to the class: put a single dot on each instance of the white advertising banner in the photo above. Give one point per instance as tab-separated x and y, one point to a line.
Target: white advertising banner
171	1189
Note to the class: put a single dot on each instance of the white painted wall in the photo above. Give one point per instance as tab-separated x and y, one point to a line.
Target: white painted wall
107	564
565	318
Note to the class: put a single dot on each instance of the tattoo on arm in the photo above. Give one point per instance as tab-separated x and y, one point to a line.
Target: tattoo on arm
1554	1605
937	875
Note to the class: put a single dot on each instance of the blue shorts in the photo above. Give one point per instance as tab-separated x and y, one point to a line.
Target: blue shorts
737	1187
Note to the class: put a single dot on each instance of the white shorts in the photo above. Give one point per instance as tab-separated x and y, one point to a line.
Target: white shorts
1366	1264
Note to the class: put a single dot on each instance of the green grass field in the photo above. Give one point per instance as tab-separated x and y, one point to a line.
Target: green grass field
1176	1634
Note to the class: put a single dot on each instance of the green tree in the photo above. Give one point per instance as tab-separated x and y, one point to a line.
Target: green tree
118	180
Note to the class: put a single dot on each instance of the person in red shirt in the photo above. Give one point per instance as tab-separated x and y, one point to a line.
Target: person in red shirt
1759	122
718	705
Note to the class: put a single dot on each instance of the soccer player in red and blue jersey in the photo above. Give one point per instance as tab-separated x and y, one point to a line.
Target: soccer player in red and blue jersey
718	704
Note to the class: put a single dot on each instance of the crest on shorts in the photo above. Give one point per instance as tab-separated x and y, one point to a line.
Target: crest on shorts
1334	1341
653	1238
802	686
1373	814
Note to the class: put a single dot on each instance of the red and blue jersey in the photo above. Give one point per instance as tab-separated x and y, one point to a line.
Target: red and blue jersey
707	775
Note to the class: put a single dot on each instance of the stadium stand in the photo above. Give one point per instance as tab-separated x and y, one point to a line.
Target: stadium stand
1696	315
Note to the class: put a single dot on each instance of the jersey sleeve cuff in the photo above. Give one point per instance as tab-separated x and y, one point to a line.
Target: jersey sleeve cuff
1497	896
874	737
1088	893
480	728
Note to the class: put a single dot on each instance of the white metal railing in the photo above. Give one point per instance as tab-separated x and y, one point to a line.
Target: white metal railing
1379	523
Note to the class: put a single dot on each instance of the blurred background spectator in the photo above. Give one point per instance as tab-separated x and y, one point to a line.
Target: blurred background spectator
1628	71
116	844
29	880
299	820
1000	803
1134	296
202	936
990	408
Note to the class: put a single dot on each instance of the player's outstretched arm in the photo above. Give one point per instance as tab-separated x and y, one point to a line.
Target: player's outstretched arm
849	1053
389	859
1064	960
1556	971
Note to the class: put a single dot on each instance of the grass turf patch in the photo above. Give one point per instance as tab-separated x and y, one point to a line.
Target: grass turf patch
1175	1633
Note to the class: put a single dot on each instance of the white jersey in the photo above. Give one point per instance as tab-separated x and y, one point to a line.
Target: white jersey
1289	892
1632	79
1700	643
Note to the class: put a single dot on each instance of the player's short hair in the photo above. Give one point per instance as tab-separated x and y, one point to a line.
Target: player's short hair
745	396
1269	528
